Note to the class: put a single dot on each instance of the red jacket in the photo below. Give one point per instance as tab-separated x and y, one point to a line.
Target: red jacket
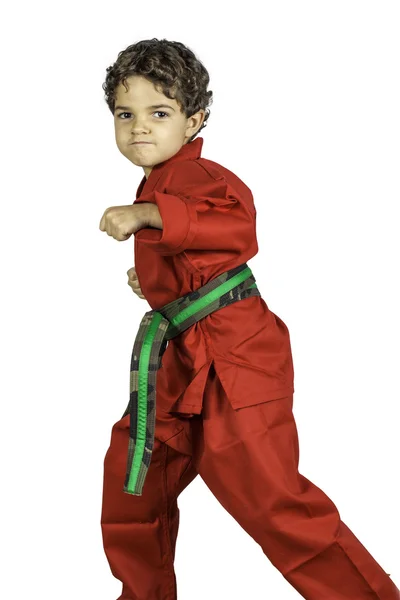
209	226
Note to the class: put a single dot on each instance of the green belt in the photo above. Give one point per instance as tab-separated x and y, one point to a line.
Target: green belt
156	328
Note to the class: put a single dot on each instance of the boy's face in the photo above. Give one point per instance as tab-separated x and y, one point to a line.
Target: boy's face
165	129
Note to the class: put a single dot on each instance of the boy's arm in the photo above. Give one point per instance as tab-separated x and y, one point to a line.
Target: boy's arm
215	218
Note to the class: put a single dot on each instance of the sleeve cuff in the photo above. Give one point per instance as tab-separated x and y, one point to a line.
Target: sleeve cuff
179	223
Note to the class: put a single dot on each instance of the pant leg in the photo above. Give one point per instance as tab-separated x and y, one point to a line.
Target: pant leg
250	463
139	532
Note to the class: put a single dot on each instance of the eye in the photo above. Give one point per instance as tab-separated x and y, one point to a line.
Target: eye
157	111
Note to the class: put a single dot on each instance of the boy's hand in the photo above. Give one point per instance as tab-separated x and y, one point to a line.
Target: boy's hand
121	221
133	281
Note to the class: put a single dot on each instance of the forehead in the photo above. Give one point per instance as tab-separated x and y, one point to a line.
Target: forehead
140	91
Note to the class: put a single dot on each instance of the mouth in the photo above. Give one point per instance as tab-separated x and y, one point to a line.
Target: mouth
139	143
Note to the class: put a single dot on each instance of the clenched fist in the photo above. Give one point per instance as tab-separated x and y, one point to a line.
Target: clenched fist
121	221
133	281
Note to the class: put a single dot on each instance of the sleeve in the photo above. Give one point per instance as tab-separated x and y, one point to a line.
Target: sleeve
212	218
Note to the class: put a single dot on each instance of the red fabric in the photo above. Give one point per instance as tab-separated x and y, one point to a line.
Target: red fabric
235	367
209	226
248	458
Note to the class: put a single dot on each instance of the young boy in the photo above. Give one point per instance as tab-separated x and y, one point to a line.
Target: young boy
219	404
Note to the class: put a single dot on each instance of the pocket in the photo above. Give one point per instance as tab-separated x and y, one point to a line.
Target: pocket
264	417
247	386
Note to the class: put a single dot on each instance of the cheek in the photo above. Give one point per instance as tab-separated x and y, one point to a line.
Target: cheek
121	147
122	141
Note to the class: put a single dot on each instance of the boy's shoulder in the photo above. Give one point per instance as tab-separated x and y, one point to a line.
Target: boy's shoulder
192	174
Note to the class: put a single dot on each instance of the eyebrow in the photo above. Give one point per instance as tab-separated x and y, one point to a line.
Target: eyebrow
152	106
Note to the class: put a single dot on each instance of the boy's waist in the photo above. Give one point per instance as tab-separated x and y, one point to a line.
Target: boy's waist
225	289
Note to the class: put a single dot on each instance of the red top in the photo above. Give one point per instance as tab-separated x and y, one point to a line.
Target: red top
209	226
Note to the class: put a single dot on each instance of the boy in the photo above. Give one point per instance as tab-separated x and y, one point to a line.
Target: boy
220	402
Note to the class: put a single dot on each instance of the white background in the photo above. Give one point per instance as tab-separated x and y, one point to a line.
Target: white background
306	113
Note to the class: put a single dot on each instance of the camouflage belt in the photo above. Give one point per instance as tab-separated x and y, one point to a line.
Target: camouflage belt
156	328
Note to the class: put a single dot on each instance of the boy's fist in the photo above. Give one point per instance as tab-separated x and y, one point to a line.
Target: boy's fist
133	281
121	221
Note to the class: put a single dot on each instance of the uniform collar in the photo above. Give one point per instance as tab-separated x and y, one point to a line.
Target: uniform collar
189	151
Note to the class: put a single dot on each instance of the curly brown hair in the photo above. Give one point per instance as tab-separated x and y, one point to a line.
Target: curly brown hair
171	66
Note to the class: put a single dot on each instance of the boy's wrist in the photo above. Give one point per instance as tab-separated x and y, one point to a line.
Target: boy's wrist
152	215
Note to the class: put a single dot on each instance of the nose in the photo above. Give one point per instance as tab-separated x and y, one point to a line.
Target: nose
139	125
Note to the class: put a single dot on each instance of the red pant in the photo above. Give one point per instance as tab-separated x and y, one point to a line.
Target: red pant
255	452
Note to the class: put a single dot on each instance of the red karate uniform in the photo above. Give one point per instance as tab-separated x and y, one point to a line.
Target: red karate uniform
223	408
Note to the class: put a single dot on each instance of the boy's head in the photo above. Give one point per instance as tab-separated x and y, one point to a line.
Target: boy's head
154	72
